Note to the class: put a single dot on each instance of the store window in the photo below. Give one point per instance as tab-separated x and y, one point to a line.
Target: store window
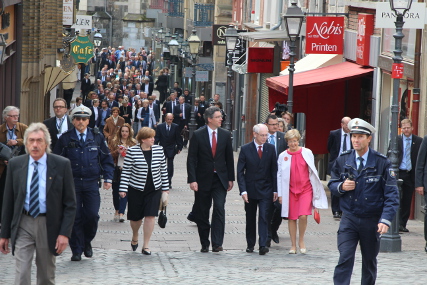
408	43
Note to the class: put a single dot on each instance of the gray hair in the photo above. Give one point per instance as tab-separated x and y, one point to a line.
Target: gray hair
209	113
8	109
36	127
258	127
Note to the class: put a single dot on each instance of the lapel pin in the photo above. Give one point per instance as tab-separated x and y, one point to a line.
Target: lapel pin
50	178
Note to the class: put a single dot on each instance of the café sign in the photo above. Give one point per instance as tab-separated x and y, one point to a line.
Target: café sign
81	49
324	35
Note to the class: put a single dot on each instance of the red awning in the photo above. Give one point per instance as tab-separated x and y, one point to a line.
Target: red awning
318	77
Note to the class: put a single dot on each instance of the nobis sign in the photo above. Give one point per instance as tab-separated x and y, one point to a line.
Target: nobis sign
324	35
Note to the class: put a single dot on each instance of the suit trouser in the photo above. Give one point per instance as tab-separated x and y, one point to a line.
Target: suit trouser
32	235
202	205
275	217
335	204
118	202
263	221
86	222
170	168
352	230
425	216
408	188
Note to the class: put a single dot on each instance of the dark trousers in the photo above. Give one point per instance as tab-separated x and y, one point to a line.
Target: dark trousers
2	186
353	230
425	215
170	168
251	209
408	188
86	221
118	202
335	204
202	206
275	217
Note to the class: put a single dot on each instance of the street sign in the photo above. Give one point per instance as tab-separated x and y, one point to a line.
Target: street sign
202	76
81	49
188	72
414	18
397	71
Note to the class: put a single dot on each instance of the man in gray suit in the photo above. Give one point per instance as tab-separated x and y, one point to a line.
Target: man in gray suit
39	210
277	139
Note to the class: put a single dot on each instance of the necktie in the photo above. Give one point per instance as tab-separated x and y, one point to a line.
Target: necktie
82	141
260	151
408	154
34	192
344	143
213	143
361	164
272	140
168	128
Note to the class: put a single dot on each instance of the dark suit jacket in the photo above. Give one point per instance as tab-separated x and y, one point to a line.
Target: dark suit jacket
92	122
257	177
156	111
171	142
85	86
282	144
168	106
124	111
334	145
112	104
201	163
177	111
421	167
53	130
415	147
60	198
201	110
150	88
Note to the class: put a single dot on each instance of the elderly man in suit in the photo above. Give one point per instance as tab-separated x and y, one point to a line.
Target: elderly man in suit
277	139
338	141
210	169
257	180
60	123
147	86
39	207
408	145
182	114
169	137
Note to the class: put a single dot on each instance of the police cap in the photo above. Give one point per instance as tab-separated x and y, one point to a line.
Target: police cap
81	111
359	126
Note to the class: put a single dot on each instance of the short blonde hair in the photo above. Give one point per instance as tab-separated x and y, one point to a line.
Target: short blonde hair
292	134
145	133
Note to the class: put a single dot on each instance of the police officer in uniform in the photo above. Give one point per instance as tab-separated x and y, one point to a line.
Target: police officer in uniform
90	158
369	199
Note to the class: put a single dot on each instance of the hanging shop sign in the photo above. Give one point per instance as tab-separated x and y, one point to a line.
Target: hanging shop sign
67	12
202	76
364	31
81	49
324	35
260	60
218	32
414	18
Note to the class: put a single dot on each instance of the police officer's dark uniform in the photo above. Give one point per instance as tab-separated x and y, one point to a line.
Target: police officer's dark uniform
373	202
90	158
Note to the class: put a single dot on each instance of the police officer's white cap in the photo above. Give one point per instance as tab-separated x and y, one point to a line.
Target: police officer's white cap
359	126
81	111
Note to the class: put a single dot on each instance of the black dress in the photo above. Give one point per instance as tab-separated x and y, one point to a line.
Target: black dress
144	203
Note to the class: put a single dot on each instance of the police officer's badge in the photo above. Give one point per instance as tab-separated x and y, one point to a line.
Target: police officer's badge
392	173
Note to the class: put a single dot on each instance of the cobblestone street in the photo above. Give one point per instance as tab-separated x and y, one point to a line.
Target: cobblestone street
176	256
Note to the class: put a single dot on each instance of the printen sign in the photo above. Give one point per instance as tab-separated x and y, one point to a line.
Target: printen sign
324	35
364	31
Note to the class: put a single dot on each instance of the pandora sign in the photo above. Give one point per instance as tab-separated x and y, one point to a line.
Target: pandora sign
324	35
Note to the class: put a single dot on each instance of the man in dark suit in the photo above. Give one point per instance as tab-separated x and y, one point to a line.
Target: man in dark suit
37	216
95	118
210	169
177	89
147	86
200	111
188	98
169	106
408	145
169	137
60	123
257	179
338	141
277	139
182	114
112	100
86	86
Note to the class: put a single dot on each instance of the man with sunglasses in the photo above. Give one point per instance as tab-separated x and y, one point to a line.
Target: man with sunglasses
90	158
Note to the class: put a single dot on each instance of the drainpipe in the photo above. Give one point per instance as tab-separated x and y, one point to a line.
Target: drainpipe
280	16
111	23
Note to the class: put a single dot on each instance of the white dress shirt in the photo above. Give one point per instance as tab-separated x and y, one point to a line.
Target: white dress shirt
42	169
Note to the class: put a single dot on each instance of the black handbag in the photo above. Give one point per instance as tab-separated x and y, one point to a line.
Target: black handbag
162	219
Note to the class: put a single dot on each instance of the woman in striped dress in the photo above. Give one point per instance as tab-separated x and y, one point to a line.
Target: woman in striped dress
144	178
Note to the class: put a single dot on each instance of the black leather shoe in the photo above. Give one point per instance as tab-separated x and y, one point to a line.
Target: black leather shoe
190	217
145	252
134	246
250	250
275	237
204	249
337	215
403	229
88	250
76	257
263	250
217	248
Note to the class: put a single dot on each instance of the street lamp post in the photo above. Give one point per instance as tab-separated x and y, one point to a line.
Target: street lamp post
194	43
293	22
231	36
173	49
391	241
97	40
2	48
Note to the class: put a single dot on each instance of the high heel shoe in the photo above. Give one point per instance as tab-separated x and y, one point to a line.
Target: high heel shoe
303	250
134	246
292	251
146	252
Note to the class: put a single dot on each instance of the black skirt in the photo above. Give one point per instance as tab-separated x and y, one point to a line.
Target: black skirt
143	203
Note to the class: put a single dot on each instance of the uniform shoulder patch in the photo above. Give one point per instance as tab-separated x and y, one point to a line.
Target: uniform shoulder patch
391	173
381	155
345	152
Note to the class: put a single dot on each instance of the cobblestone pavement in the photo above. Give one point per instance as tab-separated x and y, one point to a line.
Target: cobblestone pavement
176	256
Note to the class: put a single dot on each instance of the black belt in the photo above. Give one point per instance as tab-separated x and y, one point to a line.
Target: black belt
404	170
28	213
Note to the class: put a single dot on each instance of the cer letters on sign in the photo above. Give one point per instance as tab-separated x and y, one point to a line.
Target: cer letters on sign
83	22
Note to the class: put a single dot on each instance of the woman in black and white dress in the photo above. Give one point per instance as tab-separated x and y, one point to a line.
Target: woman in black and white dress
144	178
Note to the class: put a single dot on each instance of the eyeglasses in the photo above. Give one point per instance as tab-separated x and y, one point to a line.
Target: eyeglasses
13	116
80	118
58	107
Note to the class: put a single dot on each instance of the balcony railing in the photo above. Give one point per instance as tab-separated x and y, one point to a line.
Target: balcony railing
176	8
203	14
159	4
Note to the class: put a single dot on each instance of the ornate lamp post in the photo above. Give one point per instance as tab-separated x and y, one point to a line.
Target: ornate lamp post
293	22
173	49
231	36
391	241
97	41
194	43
